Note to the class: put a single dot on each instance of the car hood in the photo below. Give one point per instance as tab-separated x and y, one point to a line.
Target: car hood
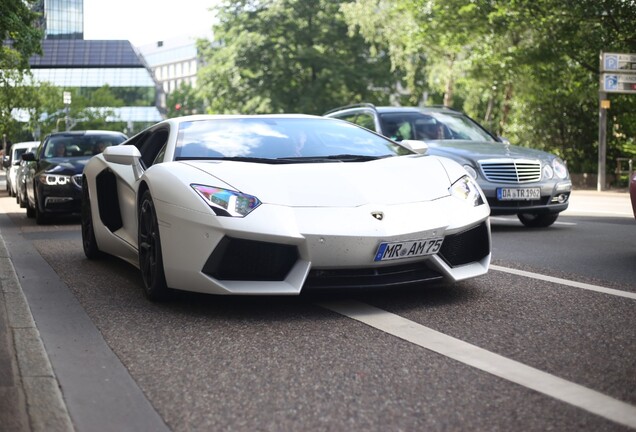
480	150
394	180
64	165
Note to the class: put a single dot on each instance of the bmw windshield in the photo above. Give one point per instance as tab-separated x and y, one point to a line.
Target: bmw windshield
281	140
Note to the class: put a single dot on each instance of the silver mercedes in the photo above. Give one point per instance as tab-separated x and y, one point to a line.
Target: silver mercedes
532	184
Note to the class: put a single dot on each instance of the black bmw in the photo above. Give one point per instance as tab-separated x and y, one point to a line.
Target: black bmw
54	173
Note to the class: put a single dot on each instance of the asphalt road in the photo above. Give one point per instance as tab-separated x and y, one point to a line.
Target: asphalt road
550	348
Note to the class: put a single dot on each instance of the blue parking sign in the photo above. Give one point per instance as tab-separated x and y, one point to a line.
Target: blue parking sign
611	62
611	82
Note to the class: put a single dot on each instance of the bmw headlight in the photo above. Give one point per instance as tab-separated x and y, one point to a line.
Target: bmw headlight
560	169
54	179
226	202
467	190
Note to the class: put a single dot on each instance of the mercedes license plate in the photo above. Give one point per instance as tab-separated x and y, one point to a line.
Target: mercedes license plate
518	194
408	249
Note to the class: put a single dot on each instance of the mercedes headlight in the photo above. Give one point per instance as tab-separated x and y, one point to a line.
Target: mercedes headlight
467	190
226	202
560	169
471	171
548	172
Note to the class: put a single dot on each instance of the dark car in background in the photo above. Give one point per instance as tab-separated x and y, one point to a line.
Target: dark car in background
532	184
53	175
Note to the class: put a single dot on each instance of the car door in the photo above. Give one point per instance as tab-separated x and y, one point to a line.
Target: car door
31	169
127	178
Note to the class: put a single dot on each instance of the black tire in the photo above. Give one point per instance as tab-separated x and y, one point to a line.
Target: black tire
532	220
40	217
30	211
150	256
89	243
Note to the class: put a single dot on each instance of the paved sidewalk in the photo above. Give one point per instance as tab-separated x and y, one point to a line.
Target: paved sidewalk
30	396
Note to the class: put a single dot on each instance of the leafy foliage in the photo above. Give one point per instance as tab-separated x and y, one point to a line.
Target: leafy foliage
288	56
184	101
19	39
528	69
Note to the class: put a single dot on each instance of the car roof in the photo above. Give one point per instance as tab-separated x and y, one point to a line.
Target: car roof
391	109
25	144
394	109
86	132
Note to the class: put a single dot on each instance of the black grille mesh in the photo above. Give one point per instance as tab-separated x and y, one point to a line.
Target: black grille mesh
467	246
238	259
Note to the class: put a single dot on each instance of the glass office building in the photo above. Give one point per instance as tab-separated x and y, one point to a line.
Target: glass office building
61	19
173	62
85	66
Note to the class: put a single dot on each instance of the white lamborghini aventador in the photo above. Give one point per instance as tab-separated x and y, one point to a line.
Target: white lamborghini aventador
280	203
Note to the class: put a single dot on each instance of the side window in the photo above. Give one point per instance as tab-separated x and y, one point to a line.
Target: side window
364	119
152	145
160	155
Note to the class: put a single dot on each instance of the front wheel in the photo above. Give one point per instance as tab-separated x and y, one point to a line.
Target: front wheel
150	256
537	220
30	211
40	217
89	243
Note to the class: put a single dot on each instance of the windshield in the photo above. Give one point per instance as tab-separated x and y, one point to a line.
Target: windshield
289	139
79	145
432	126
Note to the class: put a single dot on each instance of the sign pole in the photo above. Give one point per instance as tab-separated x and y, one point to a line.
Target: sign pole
602	142
617	74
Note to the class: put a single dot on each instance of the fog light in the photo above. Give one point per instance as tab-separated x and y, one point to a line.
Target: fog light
561	198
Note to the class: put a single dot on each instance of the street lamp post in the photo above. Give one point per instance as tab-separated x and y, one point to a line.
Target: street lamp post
67	105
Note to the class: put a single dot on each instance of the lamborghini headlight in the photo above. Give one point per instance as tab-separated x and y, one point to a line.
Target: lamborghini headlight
226	202
54	179
467	190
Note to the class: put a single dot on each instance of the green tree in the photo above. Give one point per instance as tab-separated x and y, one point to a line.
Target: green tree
288	56
19	39
185	100
528	69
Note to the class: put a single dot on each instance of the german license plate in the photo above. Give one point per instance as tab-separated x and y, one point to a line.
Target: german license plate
518	194
408	249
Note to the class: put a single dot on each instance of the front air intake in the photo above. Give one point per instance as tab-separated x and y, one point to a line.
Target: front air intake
248	260
467	246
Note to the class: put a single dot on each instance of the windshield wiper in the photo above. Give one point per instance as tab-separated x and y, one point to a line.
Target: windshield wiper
236	159
335	158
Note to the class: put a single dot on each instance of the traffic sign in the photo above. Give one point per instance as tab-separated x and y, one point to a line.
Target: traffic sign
618	82
617	62
67	97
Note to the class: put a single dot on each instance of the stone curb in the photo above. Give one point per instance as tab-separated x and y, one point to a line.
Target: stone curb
46	408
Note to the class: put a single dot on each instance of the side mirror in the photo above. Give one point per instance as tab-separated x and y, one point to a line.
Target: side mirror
29	157
122	155
5	162
415	145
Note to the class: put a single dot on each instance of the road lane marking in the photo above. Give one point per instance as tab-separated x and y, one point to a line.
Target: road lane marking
567	282
495	364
